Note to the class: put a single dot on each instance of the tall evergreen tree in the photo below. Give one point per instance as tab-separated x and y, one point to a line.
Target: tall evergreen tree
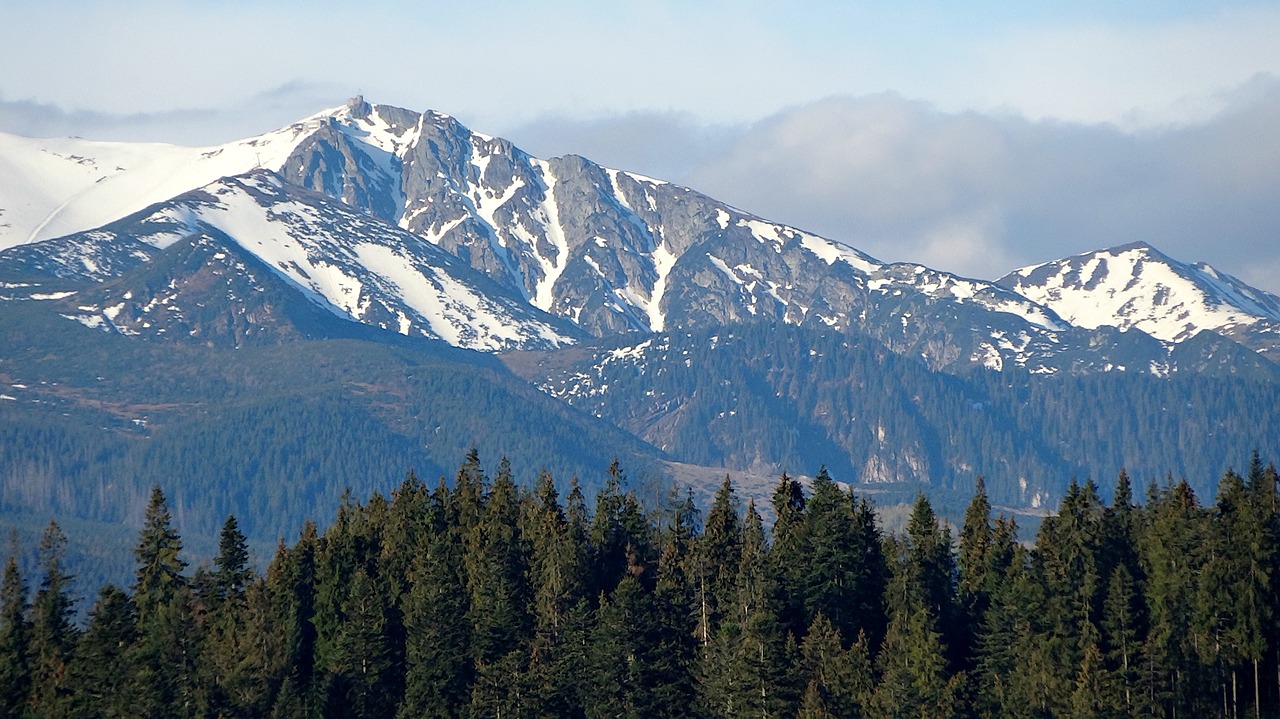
232	573
52	634
1069	551
716	560
558	570
500	599
291	583
930	573
832	569
15	642
788	557
837	684
438	659
365	678
164	658
1172	561
101	672
914	681
974	582
159	574
1122	631
1233	607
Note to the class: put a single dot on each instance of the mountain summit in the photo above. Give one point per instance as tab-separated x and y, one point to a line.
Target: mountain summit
1135	286
365	209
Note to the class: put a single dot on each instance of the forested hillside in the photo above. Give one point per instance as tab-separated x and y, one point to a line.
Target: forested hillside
479	599
276	434
781	398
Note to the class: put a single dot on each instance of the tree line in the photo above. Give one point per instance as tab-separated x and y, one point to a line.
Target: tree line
477	598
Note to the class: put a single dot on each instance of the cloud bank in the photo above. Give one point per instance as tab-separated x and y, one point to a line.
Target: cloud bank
977	194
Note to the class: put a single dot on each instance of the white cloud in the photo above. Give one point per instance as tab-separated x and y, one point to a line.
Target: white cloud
980	195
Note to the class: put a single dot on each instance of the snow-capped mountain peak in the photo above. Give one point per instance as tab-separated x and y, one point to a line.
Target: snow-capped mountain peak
604	250
1135	286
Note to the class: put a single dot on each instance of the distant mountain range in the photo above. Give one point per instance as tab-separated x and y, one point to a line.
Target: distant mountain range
387	227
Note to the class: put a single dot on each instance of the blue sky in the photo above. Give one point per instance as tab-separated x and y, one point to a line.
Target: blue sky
974	137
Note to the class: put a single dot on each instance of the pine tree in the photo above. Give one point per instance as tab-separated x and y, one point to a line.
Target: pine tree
1233	607
363	671
52	634
1069	550
291	584
159	574
439	668
835	682
834	569
616	652
500	598
558	568
914	681
742	671
101	671
1096	694
716	560
619	534
928	579
164	656
975	584
1172	561
1121	631
674	623
15	642
788	558
232	573
497	583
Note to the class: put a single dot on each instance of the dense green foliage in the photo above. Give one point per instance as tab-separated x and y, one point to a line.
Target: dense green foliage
480	599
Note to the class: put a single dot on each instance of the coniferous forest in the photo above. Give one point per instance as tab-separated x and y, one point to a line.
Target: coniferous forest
477	598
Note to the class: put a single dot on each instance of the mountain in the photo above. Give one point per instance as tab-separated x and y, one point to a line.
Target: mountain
1137	287
263	232
603	250
337	291
271	431
768	398
52	187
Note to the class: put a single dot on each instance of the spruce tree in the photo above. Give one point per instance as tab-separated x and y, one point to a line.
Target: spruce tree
164	656
788	558
833	686
1233	608
974	583
364	675
1172	561
929	575
832	569
1122	631
232	573
291	583
716	560
52	634
15	642
159	575
1070	554
438	659
1096	694
914	681
101	671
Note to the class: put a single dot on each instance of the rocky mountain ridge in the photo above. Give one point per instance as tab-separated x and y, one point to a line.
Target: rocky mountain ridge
601	251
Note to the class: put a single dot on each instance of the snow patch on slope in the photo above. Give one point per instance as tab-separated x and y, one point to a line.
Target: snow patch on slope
1135	287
